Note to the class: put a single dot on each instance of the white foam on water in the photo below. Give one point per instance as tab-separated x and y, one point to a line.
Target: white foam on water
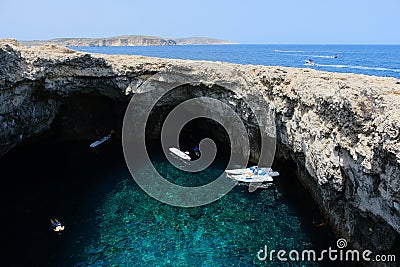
319	56
355	67
296	53
289	51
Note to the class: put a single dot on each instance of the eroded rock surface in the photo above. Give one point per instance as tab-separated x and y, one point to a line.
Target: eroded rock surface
342	130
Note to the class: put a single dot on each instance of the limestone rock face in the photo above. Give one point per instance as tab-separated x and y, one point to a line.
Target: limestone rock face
342	130
129	40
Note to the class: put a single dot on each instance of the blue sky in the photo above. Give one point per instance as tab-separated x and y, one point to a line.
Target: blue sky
258	21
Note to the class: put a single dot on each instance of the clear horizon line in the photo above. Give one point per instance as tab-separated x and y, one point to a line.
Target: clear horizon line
319	43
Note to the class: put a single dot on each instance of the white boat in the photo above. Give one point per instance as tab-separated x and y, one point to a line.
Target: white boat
180	154
309	62
245	178
242	171
263	170
100	141
249	175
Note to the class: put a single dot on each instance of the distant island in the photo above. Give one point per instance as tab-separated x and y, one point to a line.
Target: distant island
131	40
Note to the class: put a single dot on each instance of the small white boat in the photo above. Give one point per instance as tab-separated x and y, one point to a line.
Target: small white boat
253	174
260	170
242	171
244	178
180	154
100	141
309	62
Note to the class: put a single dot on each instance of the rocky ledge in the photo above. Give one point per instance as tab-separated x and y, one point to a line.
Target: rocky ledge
342	130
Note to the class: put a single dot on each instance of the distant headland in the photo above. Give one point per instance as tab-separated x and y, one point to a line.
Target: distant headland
129	40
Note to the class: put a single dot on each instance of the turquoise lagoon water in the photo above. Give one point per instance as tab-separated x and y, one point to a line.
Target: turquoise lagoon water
110	221
135	230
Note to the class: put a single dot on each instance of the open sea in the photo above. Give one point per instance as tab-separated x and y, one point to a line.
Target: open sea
110	221
378	60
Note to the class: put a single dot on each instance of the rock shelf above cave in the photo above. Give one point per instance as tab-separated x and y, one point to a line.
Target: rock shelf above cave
342	130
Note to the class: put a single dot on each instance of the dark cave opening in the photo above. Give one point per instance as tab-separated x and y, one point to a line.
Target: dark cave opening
190	136
59	171
87	116
200	128
82	119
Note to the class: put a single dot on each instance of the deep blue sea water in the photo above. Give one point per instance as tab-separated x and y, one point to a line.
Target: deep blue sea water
378	60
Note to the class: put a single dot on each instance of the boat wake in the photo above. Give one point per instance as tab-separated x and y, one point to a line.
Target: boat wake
289	51
355	67
319	56
298	53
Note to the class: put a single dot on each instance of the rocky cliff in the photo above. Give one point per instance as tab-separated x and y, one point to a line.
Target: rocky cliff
130	40
342	130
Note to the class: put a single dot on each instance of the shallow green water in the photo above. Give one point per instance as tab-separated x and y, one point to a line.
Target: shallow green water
132	229
110	221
